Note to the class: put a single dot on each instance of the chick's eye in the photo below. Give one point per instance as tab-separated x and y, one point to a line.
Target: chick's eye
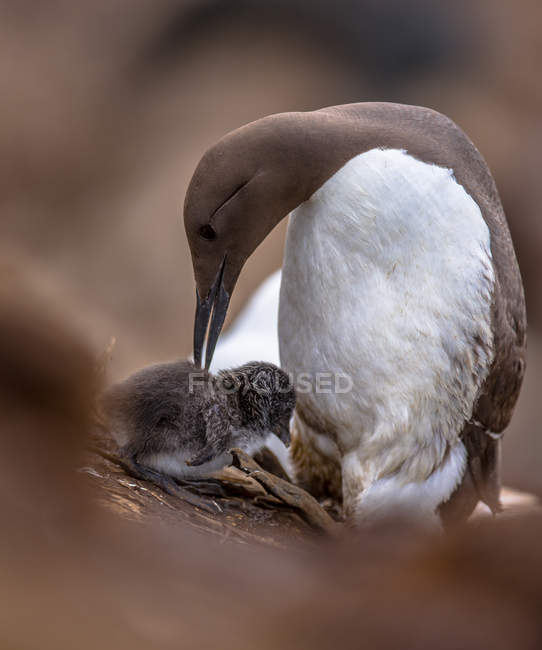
228	383
207	232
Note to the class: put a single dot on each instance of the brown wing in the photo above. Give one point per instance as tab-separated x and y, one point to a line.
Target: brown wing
498	396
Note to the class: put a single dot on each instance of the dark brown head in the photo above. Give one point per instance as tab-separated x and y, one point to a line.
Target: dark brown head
242	187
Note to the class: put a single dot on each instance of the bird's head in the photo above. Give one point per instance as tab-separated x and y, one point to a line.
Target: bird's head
262	395
242	187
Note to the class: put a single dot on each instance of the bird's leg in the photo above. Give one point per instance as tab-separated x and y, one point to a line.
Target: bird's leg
204	485
182	488
318	473
144	473
165	483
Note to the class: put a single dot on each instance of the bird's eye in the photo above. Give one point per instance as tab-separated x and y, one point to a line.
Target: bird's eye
207	232
228	383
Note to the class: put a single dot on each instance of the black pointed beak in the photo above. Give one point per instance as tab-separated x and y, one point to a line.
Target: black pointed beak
212	308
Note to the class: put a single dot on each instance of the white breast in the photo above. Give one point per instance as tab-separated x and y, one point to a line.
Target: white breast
388	279
174	464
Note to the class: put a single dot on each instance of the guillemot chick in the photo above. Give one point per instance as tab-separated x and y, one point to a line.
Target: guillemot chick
172	419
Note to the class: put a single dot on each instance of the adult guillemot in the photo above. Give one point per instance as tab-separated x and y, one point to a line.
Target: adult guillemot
399	272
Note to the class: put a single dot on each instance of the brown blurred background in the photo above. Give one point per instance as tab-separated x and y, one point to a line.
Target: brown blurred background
108	105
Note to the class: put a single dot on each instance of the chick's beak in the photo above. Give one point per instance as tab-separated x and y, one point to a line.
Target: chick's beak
212	308
282	431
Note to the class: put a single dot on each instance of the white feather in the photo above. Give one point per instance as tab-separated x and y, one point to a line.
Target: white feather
175	465
388	279
416	499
